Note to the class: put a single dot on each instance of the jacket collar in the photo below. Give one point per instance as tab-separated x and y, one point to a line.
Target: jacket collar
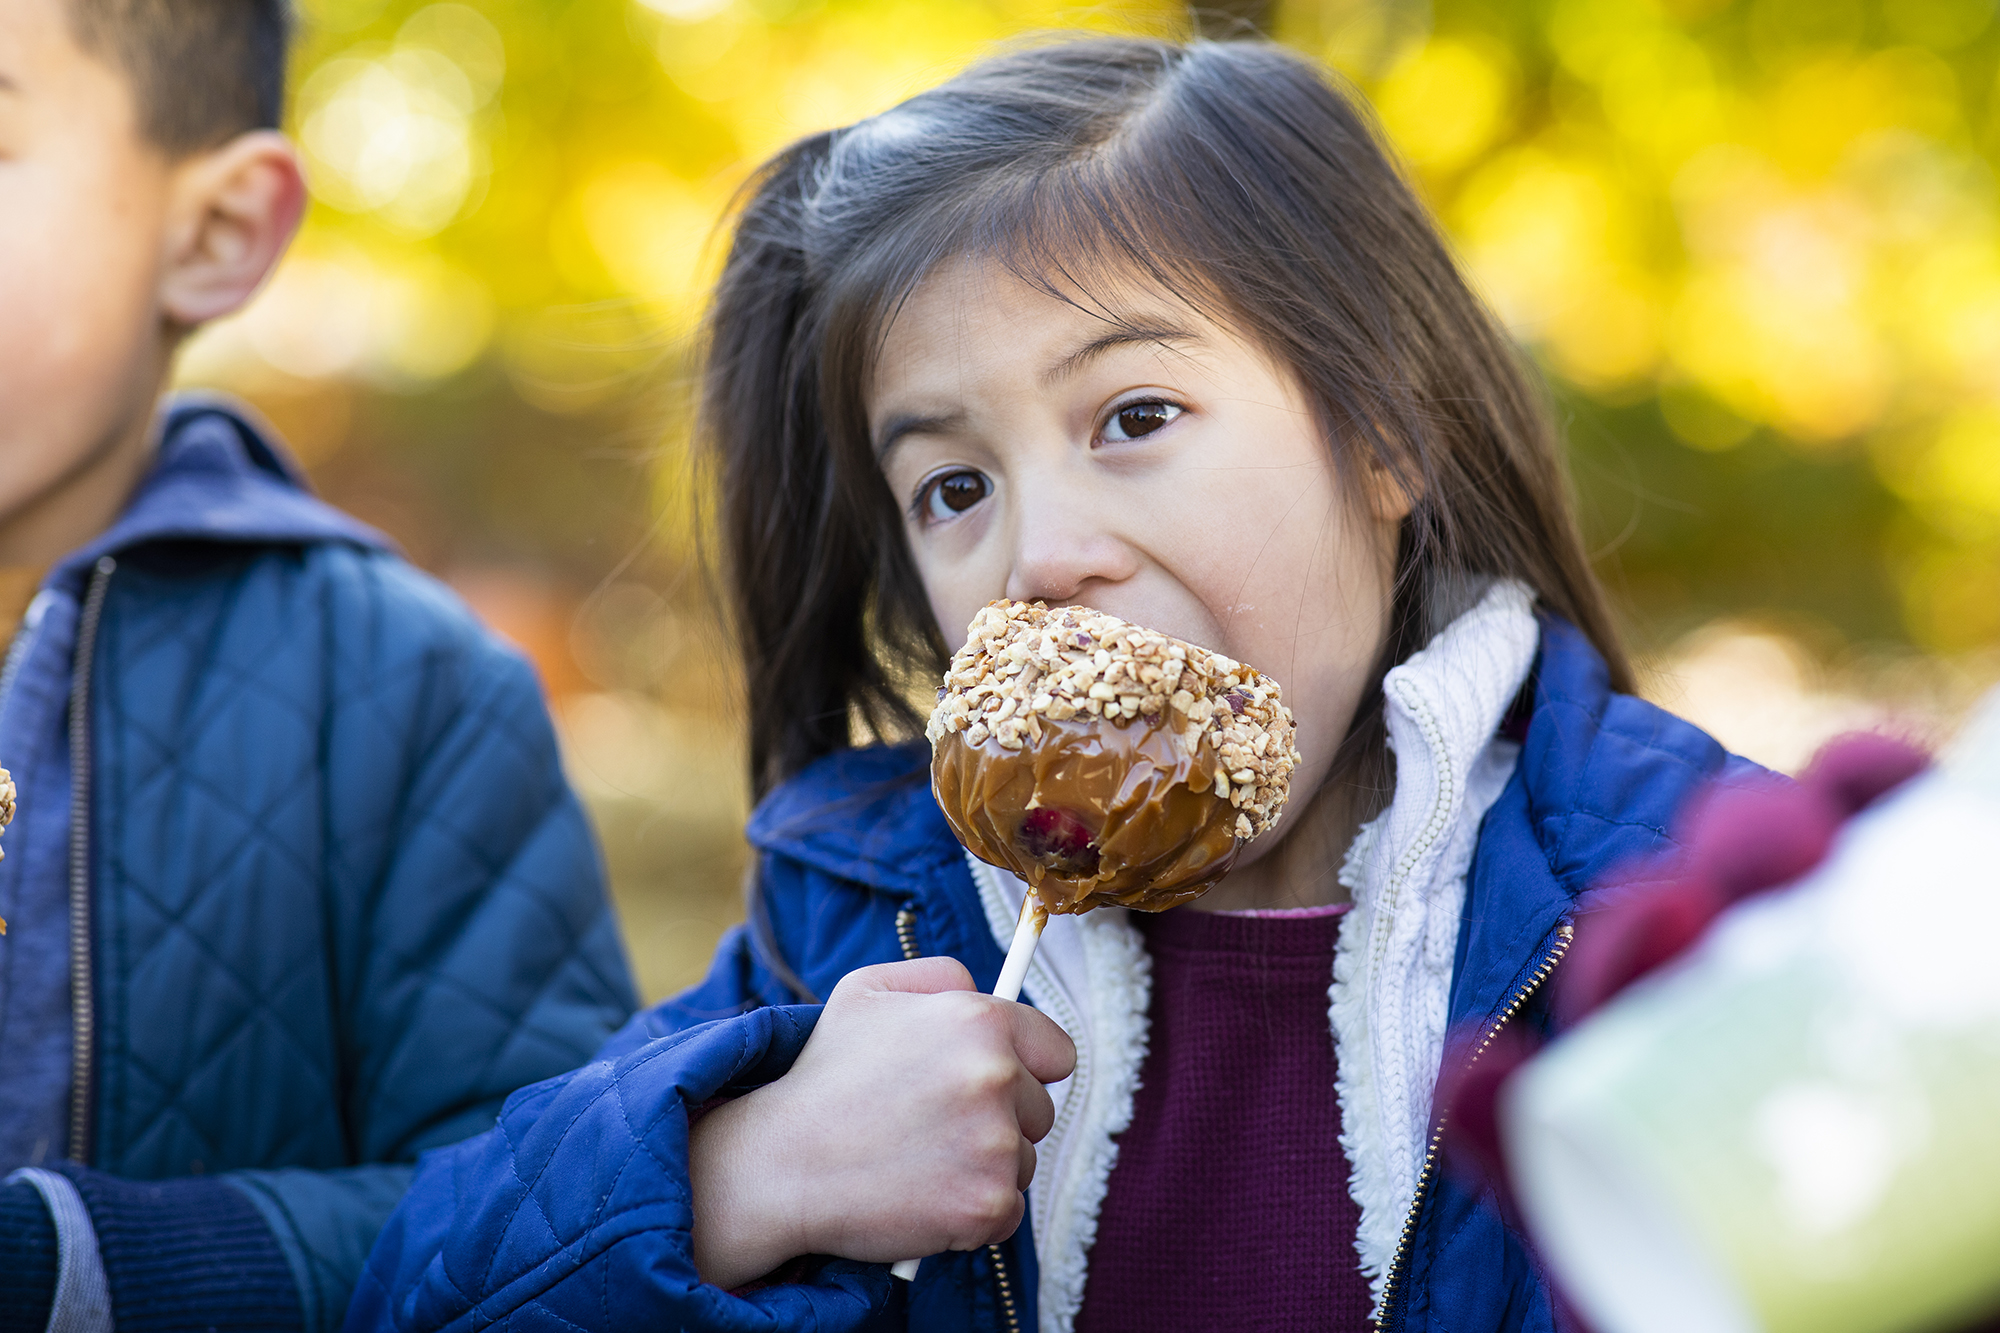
219	476
1606	773
1594	796
1594	789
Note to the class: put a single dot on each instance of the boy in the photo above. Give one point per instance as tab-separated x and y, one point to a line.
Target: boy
296	889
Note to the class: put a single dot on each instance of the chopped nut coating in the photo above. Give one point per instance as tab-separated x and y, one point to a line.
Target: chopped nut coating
1161	757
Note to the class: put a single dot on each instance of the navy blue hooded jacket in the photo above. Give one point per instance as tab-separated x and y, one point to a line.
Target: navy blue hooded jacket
328	897
574	1213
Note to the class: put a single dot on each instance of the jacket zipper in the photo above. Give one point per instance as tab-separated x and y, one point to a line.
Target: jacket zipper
82	995
1565	936
906	936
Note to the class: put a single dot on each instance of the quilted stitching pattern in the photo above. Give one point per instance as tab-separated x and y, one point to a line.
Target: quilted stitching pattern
1612	769
344	901
574	1213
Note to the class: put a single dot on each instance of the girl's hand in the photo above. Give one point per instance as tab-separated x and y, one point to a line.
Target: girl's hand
906	1127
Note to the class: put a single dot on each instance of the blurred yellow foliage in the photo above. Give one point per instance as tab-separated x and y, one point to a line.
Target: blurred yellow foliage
649	228
1446	100
1775	218
1960	476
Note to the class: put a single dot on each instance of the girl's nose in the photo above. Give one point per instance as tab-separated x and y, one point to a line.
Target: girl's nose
1063	548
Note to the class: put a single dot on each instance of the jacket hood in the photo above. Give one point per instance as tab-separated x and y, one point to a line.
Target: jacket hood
1606	773
220	476
1593	799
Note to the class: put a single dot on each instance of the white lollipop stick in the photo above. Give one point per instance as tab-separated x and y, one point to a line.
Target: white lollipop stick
1027	933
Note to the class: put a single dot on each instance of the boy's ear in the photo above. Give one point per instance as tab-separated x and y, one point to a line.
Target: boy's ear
234	211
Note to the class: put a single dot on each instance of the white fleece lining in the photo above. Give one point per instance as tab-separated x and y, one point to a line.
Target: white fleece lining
1406	873
1091	974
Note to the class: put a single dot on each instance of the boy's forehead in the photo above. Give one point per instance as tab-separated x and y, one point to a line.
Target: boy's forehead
16	29
59	85
35	42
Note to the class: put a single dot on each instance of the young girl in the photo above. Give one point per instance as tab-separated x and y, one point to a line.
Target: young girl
1159	330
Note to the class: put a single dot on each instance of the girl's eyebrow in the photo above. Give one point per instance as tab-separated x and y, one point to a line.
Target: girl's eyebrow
910	423
1096	347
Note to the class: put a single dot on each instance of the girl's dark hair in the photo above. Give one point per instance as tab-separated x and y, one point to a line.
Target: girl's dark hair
1233	176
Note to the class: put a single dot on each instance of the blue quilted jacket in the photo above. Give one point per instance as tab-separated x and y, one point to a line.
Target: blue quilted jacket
339	900
574	1213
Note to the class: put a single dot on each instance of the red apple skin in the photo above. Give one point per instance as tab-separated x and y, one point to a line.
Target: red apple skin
1060	840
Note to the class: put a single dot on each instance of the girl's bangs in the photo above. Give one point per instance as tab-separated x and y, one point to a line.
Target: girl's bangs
1096	233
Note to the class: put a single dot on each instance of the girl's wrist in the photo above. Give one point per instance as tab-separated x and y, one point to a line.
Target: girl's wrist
746	1223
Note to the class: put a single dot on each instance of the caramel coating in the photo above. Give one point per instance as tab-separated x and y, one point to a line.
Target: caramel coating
1103	763
1154	840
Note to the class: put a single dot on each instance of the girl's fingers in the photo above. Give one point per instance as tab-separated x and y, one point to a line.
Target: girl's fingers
918	976
1034	1109
1043	1047
1027	1175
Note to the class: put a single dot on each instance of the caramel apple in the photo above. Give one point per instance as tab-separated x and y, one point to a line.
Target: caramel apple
1104	763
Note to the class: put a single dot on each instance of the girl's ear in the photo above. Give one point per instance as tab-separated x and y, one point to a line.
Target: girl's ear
1391	496
234	211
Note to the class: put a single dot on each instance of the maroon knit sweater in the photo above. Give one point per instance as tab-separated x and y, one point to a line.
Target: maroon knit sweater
1228	1208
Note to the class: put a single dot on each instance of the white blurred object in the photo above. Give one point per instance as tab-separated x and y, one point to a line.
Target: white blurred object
1793	1129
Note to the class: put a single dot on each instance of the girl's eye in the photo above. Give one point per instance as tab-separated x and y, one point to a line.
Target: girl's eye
1134	420
953	493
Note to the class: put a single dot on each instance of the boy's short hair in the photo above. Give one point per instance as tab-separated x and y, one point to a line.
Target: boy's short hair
202	71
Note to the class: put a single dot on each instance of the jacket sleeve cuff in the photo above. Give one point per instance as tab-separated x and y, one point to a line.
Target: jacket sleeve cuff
81	1302
177	1254
30	1261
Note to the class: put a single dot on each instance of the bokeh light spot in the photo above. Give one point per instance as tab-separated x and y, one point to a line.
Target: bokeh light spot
390	135
1444	102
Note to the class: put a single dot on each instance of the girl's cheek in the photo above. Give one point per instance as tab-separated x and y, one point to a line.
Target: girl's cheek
960	574
954	610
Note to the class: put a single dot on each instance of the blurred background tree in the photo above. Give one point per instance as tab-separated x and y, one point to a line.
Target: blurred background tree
1755	244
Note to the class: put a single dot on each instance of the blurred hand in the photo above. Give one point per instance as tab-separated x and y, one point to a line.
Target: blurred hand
907	1127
